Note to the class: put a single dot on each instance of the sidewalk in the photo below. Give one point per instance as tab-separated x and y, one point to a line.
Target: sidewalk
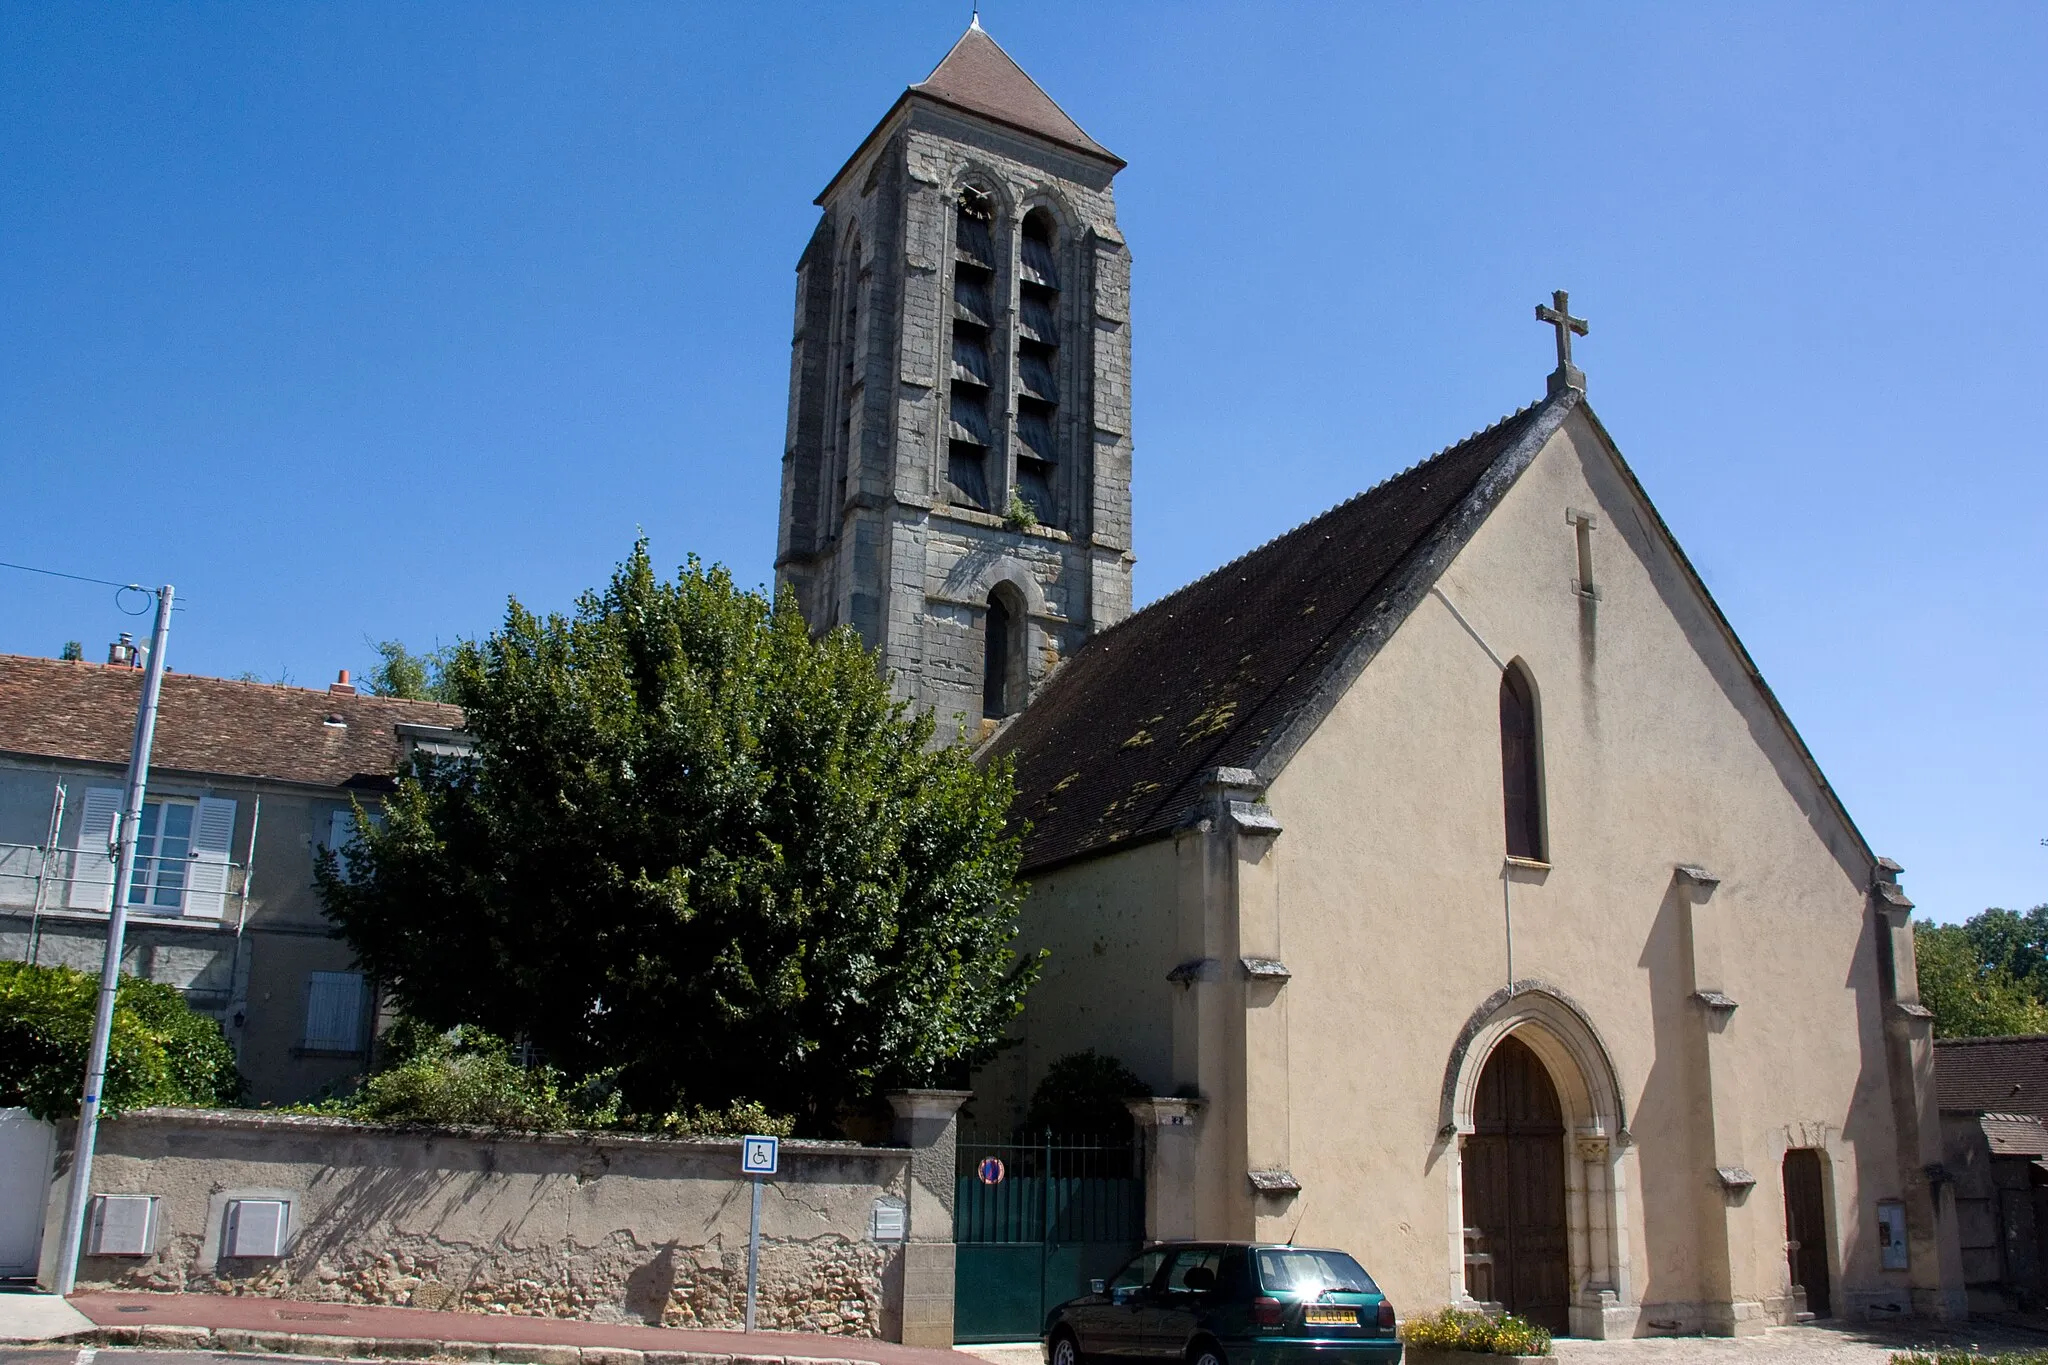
26	1316
220	1322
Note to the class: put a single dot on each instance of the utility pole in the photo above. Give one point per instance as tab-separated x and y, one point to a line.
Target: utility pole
75	1204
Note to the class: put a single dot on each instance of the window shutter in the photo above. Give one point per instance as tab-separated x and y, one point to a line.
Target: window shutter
213	833
92	864
334	1012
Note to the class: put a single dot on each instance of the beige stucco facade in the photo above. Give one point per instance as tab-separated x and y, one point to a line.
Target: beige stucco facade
1706	959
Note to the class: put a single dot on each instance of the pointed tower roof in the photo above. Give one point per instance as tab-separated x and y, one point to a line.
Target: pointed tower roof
978	76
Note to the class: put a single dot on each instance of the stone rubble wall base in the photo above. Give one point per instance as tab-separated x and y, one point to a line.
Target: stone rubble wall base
830	1285
241	1341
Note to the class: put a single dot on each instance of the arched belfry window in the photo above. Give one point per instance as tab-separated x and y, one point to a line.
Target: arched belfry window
1038	367
1002	666
970	429
1521	769
853	293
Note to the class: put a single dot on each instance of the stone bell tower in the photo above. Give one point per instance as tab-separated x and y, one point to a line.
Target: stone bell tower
956	481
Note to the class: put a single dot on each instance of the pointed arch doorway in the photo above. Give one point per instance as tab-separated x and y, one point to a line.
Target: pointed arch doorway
1517	1231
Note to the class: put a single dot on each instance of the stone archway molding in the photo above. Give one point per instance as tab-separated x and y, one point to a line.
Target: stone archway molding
1562	1035
1565	1026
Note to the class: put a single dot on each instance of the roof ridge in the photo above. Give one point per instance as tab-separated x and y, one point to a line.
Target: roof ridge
173	674
1331	510
1993	1038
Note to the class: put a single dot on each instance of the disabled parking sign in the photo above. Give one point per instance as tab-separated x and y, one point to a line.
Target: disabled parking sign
760	1155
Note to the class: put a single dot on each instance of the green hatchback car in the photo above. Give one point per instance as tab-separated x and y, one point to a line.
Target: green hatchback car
1229	1303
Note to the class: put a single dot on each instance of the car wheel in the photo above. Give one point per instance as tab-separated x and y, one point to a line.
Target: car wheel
1206	1353
1065	1350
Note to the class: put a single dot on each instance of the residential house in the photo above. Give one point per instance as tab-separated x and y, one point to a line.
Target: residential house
248	781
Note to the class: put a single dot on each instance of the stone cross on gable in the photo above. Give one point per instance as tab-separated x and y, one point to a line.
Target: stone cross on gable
1559	315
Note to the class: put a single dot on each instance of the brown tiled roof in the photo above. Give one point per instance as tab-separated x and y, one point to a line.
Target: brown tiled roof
978	76
2006	1075
1231	670
50	708
2014	1135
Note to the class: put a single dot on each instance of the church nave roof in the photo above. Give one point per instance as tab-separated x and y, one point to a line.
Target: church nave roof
1116	747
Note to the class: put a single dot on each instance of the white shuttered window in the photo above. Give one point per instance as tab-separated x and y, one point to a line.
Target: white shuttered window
92	858
213	832
335	1004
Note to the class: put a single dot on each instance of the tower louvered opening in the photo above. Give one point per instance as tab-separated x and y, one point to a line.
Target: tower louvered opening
970	430
1038	367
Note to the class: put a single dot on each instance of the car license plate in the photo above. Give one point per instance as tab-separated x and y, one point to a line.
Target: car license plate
1330	1317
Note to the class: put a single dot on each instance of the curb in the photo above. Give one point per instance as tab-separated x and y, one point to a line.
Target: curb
241	1341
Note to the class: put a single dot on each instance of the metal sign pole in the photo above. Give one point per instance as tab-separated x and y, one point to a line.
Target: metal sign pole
753	1253
110	969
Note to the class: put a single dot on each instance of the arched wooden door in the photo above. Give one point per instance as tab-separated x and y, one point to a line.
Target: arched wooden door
1515	1229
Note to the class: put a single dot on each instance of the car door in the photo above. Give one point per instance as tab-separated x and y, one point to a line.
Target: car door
1113	1324
1186	1291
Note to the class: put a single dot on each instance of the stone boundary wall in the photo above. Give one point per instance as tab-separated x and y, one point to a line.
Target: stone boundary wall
600	1227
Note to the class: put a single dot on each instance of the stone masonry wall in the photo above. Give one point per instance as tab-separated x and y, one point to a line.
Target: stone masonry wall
598	1227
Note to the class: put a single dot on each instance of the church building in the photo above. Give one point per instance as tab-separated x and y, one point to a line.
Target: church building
1445	866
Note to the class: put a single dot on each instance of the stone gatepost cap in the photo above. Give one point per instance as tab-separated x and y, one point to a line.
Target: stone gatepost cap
1163	1111
927	1104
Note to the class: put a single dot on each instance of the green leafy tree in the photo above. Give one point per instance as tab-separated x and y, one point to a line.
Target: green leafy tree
417	677
699	848
1970	996
162	1051
2017	942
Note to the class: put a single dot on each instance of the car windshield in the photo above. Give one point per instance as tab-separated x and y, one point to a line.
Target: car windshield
1290	1270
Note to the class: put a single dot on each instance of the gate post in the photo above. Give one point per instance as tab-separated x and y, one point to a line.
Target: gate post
1166	1128
928	1123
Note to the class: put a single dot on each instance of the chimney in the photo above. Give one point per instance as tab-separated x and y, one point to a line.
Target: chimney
124	652
341	686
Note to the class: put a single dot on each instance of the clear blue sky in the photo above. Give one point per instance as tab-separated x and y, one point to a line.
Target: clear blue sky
351	320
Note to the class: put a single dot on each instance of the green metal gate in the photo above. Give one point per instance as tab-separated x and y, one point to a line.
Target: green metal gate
1033	1223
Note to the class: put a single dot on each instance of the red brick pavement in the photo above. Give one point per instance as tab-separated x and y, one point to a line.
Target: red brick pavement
218	1311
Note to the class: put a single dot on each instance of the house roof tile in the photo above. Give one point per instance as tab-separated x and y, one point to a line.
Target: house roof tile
57	709
2007	1075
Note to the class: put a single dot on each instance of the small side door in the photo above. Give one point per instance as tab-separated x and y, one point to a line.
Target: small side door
1113	1325
1187	1292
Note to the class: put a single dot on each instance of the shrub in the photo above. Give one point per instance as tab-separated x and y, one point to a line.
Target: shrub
162	1051
735	1120
466	1077
2037	1357
1456	1329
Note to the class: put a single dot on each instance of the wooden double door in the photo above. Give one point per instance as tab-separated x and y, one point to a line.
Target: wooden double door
1516	1232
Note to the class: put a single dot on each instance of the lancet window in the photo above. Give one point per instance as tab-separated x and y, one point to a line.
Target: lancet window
1002	665
1520	766
1038	367
970	391
854	287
